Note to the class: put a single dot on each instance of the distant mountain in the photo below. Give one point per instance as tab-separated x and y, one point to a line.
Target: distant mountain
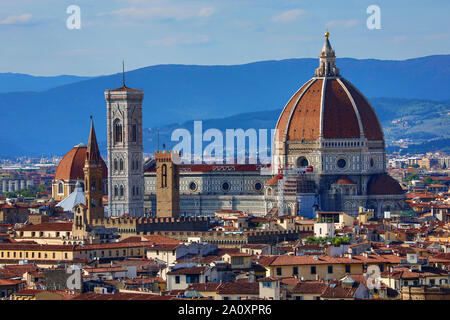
423	121
54	120
13	82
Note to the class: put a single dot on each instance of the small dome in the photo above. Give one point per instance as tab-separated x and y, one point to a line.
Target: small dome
71	165
345	181
383	184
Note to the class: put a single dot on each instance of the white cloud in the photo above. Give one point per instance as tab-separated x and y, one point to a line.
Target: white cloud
179	41
438	36
15	20
399	38
343	23
289	16
205	12
162	12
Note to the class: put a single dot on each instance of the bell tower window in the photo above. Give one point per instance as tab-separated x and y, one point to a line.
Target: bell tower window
117	131
164	176
133	132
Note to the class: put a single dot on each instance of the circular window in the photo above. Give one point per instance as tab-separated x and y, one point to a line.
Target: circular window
192	186
225	186
372	162
341	163
258	186
302	162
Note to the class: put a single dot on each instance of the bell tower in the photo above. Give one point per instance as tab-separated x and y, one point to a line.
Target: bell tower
125	151
167	185
93	178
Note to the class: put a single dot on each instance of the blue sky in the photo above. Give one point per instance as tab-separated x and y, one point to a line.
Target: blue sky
35	39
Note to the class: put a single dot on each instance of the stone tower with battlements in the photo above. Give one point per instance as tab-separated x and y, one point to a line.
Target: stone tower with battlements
167	185
125	152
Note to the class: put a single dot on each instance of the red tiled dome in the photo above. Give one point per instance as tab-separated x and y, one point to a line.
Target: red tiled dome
328	106
334	108
71	165
345	181
383	184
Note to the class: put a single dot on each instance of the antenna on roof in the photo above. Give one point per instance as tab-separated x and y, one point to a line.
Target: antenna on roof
123	72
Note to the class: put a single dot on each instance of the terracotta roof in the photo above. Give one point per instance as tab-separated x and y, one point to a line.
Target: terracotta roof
125	88
301	118
28	292
154	238
309	287
287	260
121	296
383	184
272	181
37	247
190	270
334	290
339	117
48	226
71	165
7	282
250	288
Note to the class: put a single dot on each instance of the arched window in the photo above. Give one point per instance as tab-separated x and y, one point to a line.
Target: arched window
93	187
117	131
164	176
121	164
133	132
121	191
60	187
115	164
116	191
133	191
302	162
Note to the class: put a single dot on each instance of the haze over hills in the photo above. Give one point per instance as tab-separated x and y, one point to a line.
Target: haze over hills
52	121
10	82
423	122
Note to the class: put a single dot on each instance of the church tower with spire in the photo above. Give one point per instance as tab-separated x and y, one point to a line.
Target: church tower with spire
125	151
93	178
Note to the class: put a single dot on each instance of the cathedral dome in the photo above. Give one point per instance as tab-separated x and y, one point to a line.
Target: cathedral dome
71	165
329	107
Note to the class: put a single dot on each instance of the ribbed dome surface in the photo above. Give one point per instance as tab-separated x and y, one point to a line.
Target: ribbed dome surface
329	107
